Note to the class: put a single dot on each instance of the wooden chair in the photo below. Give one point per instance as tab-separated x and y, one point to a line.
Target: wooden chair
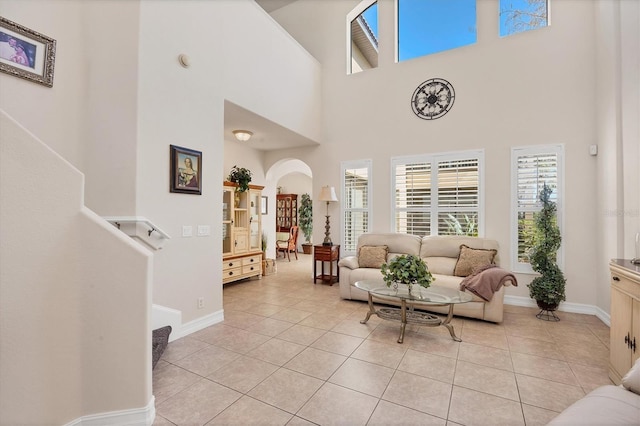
287	246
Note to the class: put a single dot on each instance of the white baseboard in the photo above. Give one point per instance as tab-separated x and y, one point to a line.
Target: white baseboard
199	324
576	308
133	417
162	316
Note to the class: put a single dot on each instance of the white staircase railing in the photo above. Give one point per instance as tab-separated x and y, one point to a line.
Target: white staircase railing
140	228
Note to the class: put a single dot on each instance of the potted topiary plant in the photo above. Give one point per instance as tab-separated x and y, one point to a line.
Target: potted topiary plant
407	269
548	289
241	176
306	221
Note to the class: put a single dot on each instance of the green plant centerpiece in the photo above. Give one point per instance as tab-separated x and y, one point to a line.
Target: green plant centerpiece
241	176
406	269
548	289
305	218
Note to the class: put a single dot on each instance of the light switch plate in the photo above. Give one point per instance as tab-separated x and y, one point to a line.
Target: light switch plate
187	231
204	230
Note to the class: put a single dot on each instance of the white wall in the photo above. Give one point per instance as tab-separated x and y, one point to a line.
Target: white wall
38	108
618	115
75	295
185	107
119	100
295	183
527	89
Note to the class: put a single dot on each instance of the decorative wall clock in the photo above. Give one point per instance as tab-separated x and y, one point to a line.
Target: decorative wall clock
433	99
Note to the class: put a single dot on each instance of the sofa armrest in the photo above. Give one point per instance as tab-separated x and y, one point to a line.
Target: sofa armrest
350	262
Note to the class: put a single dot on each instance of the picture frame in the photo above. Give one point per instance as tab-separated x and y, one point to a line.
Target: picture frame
26	53
265	205
186	170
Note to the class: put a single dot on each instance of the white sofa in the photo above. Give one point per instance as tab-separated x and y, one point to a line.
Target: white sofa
441	255
606	405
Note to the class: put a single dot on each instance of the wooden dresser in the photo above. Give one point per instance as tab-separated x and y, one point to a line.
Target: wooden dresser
624	342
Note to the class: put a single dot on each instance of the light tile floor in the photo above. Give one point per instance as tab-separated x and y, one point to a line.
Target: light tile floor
293	353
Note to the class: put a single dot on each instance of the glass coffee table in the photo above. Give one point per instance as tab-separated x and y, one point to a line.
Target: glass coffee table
432	296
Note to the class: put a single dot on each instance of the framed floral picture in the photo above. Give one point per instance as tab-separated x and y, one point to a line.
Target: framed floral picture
26	53
186	170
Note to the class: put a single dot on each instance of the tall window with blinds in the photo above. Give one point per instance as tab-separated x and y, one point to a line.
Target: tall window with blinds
356	202
437	194
532	168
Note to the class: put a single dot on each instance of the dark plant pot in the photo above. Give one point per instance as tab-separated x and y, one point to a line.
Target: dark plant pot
306	248
547	306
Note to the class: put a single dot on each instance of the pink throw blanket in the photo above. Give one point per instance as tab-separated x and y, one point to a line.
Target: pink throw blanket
486	280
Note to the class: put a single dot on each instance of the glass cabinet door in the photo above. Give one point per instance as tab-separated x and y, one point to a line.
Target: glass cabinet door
255	236
227	200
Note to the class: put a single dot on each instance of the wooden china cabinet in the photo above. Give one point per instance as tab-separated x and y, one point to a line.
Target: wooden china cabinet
241	232
286	212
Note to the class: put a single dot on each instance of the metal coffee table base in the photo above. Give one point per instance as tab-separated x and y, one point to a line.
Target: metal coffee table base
411	317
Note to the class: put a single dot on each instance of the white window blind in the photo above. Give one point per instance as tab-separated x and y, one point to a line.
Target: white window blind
356	190
532	168
413	198
442	189
458	197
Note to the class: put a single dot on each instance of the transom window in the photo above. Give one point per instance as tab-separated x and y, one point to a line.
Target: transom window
532	168
430	26
438	194
362	27
517	16
356	203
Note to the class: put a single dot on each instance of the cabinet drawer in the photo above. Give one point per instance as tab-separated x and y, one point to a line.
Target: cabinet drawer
625	284
252	269
252	260
228	274
230	264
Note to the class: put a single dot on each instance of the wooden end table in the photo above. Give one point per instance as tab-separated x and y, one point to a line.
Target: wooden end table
324	254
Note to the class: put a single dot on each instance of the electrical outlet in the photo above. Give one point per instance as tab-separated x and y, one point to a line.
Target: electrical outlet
200	302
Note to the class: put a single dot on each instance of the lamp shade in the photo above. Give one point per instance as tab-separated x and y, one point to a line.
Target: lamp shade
242	135
328	194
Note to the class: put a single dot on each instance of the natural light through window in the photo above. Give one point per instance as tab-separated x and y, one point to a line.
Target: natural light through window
356	212
438	194
517	16
532	168
363	37
431	26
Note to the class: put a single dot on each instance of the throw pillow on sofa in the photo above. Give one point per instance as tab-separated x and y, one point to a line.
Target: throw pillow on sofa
372	256
470	259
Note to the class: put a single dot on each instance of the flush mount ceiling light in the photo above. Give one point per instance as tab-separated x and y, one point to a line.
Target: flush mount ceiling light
242	135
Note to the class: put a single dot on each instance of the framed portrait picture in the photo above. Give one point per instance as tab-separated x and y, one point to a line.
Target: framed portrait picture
25	53
186	170
264	207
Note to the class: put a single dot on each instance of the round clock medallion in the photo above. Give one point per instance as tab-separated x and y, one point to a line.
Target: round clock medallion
433	99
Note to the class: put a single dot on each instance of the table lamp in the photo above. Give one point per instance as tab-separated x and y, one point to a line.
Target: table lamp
328	194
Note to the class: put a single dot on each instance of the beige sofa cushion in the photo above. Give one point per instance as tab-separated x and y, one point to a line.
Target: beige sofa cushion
606	405
469	259
372	256
631	380
396	242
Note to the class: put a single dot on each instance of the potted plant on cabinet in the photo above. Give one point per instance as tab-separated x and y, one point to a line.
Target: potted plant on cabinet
548	289
306	221
242	177
406	269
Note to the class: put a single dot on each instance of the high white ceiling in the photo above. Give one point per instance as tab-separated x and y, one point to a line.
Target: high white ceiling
271	5
267	135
